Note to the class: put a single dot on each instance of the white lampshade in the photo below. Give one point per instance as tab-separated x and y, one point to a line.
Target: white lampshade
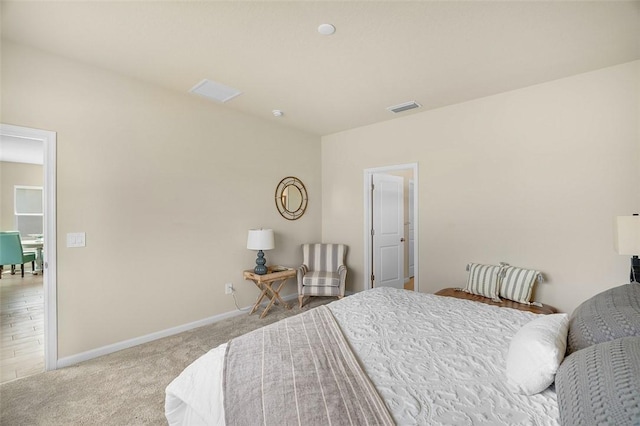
260	239
627	235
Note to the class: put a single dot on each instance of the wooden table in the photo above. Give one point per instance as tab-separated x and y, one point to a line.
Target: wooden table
270	285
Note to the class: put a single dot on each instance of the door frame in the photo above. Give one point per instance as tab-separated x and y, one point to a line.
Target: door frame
368	223
49	263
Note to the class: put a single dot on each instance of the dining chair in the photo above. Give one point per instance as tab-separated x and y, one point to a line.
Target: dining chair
12	253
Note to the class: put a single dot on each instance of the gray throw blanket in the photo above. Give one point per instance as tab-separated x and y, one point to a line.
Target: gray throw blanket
298	371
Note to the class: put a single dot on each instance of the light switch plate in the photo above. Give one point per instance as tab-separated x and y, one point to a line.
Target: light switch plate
76	239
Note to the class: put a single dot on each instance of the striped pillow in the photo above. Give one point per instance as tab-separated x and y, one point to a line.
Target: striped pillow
517	284
484	280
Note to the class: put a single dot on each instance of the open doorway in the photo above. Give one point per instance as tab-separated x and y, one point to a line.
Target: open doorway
391	250
17	140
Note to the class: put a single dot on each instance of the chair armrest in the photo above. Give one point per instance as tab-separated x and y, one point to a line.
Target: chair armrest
342	271
302	269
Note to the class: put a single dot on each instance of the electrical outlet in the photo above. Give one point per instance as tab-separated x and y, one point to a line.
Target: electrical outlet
228	288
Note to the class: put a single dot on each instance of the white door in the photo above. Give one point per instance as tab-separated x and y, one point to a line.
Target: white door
388	231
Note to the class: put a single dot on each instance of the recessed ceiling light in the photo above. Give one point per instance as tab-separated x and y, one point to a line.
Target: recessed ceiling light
277	113
326	29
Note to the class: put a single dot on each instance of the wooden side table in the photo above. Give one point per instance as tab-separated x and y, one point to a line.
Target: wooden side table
270	285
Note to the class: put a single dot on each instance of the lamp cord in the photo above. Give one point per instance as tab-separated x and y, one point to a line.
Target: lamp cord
634	275
235	302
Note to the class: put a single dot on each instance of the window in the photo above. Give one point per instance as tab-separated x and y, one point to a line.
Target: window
28	202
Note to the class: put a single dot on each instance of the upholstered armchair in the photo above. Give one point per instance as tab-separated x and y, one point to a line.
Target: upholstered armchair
323	272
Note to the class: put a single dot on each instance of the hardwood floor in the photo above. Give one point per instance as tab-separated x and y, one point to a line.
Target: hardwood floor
22	325
409	284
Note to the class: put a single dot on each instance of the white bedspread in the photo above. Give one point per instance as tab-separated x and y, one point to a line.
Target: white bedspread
434	360
440	361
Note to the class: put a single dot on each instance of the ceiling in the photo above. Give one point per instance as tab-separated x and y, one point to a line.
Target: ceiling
382	53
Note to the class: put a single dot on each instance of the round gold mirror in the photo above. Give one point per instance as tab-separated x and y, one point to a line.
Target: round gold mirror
291	198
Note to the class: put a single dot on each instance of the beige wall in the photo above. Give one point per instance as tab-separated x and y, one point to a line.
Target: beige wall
12	174
533	177
165	185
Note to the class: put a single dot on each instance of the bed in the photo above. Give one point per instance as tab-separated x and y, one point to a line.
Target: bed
432	359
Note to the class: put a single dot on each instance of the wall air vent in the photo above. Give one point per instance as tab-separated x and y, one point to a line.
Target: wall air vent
215	91
404	107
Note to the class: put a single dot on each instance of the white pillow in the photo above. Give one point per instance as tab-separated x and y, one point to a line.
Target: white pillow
536	352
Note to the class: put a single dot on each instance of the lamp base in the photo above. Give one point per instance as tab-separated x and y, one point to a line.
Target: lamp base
260	268
634	276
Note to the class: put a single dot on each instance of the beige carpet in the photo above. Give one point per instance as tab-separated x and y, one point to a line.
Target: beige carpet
123	388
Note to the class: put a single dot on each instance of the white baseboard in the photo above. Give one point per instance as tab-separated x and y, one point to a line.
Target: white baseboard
126	344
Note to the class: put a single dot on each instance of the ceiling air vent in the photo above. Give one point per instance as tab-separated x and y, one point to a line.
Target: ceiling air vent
215	91
404	107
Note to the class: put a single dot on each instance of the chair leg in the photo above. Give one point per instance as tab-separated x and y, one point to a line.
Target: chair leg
13	269
22	270
33	265
0	272
300	300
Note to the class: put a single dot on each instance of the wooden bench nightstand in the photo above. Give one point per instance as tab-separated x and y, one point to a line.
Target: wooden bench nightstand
459	294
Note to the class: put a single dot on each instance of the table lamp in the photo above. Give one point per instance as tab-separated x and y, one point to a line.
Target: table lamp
627	242
260	239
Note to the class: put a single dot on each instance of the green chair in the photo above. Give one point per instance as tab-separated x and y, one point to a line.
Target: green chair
12	253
